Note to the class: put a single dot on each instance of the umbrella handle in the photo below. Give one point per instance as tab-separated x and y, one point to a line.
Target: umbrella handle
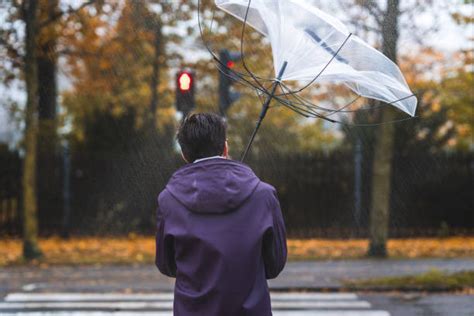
265	107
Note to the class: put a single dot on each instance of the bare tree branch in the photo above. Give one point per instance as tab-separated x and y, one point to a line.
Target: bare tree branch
12	52
365	26
69	11
360	18
16	4
71	52
373	8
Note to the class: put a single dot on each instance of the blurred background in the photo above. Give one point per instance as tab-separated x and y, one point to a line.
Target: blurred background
89	100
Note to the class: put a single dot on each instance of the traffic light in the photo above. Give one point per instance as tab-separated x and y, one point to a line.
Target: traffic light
226	78
185	91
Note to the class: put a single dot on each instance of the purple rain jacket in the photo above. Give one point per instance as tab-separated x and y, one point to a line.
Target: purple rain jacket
221	234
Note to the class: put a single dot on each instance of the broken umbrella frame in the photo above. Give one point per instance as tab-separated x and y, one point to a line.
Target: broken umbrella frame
299	104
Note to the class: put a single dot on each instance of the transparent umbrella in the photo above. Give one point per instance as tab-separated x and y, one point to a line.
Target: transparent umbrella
309	46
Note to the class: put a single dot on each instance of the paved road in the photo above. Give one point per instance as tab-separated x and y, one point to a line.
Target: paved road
314	275
284	304
161	304
310	275
422	304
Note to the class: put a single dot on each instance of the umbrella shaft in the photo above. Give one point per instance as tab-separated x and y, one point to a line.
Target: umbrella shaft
264	110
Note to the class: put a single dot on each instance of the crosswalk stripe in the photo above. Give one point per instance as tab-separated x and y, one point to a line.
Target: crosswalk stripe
135	313
34	297
329	313
161	304
169	305
72	297
312	296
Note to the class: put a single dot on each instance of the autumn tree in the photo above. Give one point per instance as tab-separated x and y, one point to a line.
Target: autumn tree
383	153
120	69
27	52
384	20
433	132
48	160
441	80
457	94
457	99
29	15
12	61
125	64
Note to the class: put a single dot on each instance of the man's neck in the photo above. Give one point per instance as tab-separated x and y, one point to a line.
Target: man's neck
207	158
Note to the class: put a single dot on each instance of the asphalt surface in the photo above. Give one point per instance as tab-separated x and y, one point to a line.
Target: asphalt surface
161	304
304	275
283	304
309	275
422	304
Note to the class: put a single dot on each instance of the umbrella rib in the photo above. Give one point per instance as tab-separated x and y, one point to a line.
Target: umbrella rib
325	117
264	110
325	66
242	53
377	124
214	56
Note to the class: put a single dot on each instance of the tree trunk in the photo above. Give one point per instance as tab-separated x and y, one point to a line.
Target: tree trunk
155	79
383	153
49	184
30	217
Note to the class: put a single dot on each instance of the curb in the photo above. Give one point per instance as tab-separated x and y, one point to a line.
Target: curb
383	289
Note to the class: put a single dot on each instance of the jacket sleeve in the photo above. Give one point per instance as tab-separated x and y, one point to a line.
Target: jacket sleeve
164	259
274	240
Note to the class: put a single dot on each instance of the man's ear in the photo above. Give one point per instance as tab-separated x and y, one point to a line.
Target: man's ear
184	158
226	150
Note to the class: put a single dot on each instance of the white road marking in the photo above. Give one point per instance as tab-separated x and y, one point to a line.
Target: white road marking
169	305
73	297
320	304
312	296
161	304
29	287
330	313
135	313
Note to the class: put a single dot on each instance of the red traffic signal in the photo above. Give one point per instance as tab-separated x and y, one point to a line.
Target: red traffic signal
185	102
185	81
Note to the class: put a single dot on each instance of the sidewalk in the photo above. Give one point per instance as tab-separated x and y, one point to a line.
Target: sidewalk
308	275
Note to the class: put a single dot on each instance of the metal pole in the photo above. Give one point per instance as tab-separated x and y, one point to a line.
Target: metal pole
264	110
358	181
66	225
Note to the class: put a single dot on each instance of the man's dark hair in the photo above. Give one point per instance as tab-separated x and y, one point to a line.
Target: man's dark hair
202	135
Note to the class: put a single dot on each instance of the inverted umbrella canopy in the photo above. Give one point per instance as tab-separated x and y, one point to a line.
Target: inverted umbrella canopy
313	44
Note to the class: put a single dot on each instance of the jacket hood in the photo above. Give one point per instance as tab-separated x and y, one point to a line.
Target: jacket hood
213	186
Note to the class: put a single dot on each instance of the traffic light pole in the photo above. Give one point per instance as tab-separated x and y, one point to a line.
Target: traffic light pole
264	111
226	79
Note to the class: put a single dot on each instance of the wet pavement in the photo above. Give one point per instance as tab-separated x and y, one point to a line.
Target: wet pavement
419	304
310	275
283	304
161	304
297	276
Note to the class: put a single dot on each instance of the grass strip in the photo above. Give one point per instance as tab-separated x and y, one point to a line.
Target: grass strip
432	280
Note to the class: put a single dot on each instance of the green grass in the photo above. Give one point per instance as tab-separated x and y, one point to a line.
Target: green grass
432	280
